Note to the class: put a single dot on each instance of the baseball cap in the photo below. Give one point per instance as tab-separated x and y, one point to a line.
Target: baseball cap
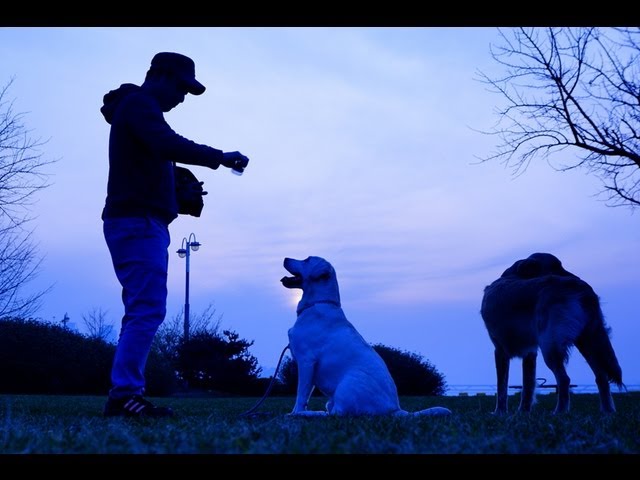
182	66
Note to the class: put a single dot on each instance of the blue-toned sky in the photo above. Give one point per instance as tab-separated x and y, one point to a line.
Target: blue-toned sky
363	148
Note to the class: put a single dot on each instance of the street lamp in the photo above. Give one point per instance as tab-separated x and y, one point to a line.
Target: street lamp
184	251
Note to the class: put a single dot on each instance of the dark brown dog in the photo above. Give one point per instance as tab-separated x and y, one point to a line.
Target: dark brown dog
537	304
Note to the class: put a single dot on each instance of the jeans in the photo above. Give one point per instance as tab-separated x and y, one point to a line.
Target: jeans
139	252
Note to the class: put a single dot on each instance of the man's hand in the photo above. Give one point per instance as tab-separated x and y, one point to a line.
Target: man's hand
196	189
235	160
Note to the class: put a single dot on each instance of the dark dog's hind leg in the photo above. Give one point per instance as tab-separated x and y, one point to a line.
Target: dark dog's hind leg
555	358
604	389
502	374
602	378
528	381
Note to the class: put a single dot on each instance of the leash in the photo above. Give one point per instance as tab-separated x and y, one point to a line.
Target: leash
266	393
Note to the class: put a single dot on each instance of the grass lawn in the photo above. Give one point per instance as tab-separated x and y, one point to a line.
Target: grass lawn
37	424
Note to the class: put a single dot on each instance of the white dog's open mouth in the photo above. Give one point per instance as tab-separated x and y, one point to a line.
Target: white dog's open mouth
292	282
293	267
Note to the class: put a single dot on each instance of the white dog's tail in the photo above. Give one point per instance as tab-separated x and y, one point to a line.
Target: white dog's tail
433	411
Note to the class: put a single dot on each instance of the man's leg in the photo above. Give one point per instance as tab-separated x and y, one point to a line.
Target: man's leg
139	251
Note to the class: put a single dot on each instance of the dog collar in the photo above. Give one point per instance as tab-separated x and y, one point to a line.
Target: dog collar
333	302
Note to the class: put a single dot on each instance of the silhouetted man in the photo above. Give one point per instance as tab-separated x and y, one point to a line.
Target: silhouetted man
140	204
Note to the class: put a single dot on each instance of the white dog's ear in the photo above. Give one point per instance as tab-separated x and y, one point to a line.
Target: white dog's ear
321	272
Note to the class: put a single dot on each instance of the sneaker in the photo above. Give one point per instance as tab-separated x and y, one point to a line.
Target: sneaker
134	406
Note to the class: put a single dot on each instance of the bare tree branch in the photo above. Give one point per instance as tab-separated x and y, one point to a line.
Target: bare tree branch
21	178
574	89
171	331
97	325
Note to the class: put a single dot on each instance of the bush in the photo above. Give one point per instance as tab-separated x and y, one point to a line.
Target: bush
160	376
217	362
42	358
287	376
413	374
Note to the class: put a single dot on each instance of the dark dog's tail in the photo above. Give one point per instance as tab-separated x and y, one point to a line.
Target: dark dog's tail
594	342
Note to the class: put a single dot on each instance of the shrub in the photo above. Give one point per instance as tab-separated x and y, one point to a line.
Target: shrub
412	373
287	377
43	358
218	362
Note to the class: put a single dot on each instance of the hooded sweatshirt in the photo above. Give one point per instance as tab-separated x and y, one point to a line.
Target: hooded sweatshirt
142	149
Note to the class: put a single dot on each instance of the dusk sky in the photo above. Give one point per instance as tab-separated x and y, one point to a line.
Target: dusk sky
364	149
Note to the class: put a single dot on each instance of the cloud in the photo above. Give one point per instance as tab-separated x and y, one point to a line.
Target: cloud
363	150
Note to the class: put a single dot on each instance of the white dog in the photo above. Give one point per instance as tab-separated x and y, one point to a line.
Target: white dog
330	353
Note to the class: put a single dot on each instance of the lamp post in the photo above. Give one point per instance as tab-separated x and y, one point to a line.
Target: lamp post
187	245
